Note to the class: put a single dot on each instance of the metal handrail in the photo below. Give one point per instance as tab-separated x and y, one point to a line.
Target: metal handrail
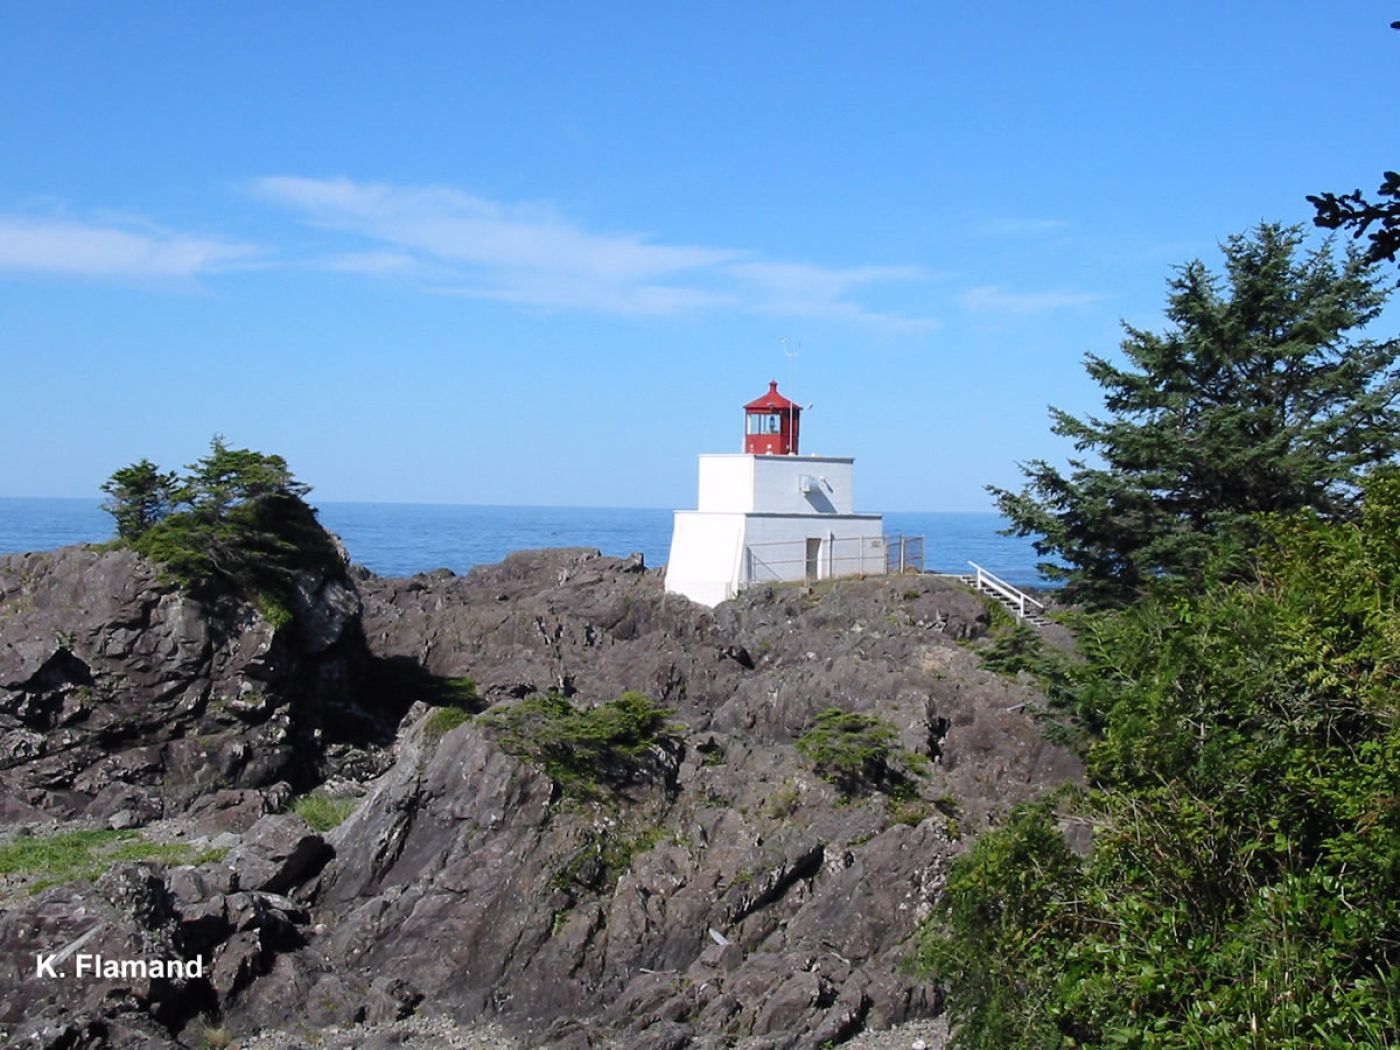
986	580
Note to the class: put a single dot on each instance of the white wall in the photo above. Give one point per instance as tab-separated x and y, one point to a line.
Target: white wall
747	484
726	484
705	554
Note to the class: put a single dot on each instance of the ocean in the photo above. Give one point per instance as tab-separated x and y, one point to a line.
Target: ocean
399	539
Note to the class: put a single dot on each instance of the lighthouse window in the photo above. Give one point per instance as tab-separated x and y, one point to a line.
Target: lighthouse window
771	423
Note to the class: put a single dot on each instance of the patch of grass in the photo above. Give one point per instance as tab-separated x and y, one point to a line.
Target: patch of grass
160	852
583	749
59	857
323	812
784	801
912	812
85	855
442	721
458	692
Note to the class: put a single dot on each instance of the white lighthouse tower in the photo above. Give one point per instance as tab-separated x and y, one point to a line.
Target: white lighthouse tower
770	514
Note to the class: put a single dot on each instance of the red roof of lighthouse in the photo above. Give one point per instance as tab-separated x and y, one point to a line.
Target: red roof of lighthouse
771	400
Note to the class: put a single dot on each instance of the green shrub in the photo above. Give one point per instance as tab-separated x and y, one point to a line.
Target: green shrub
1243	890
1014	649
323	812
581	749
604	858
857	753
272	610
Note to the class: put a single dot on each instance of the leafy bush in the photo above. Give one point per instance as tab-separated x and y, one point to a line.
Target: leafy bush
857	752
1014	649
581	749
1244	885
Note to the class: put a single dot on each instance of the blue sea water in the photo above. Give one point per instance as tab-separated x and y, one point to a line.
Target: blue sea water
399	539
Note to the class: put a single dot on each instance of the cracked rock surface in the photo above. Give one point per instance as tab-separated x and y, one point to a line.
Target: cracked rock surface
729	897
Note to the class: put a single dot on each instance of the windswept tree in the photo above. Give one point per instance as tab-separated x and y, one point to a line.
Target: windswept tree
237	519
1261	396
227	477
1377	218
138	496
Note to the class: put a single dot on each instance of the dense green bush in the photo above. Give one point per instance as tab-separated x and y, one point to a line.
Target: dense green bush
236	520
582	749
1244	885
857	753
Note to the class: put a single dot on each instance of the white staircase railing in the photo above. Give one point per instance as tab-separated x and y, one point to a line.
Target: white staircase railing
1016	599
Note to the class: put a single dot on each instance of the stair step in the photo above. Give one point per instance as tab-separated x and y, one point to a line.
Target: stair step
1011	604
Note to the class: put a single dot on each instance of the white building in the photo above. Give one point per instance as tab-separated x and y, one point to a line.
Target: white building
769	513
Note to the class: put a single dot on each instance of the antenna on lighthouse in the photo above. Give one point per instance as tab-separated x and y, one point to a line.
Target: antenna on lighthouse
791	355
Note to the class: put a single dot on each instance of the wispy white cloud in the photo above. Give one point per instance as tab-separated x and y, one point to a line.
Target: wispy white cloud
70	248
562	293
998	300
456	226
805	290
1019	227
366	262
531	255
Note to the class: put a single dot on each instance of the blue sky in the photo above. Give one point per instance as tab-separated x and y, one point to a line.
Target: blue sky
473	253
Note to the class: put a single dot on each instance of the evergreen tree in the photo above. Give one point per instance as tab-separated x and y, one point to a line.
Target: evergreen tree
227	477
138	497
1380	216
237	520
1243	886
1257	398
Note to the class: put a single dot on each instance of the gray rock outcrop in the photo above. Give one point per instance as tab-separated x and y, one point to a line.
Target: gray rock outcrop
120	694
730	895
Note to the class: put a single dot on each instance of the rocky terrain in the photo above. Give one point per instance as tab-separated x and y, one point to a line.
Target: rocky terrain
722	894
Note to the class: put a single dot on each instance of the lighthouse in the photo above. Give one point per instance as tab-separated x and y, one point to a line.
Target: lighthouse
770	514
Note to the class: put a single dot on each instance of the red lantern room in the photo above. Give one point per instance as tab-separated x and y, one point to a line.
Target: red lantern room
771	424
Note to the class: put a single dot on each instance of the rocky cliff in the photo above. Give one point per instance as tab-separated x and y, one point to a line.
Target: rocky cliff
724	893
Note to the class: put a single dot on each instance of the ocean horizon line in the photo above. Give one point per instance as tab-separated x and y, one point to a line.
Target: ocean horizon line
97	501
